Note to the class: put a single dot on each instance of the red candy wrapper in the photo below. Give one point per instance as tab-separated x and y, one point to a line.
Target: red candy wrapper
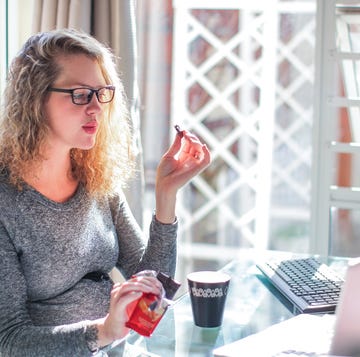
148	310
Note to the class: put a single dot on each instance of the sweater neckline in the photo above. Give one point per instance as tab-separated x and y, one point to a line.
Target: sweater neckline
75	198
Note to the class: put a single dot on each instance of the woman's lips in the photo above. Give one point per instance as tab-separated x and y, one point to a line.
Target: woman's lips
90	128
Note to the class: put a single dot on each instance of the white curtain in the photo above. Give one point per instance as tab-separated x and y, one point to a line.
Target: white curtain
113	23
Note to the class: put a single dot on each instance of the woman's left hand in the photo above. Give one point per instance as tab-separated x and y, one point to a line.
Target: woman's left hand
186	158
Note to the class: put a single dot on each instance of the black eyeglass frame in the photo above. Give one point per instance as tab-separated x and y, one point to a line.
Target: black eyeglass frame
89	97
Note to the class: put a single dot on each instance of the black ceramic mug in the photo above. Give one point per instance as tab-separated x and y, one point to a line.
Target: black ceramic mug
208	291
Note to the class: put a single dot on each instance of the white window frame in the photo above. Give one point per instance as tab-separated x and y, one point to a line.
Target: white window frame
325	195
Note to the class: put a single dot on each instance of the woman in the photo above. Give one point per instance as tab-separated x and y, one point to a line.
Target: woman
64	222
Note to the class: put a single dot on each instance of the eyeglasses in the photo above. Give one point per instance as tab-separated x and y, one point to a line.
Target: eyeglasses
83	95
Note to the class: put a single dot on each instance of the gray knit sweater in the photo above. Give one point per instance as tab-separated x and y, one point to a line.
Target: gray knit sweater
46	248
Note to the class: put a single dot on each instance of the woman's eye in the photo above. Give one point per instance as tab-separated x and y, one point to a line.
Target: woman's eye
79	95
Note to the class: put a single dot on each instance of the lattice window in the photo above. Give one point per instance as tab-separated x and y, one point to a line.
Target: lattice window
242	81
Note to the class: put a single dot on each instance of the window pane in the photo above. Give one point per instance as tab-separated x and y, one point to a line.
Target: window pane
247	77
15	28
345	228
3	45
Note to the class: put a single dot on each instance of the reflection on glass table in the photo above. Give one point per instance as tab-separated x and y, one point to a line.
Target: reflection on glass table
252	305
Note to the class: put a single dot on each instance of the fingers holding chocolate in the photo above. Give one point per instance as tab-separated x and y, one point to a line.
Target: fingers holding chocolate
193	146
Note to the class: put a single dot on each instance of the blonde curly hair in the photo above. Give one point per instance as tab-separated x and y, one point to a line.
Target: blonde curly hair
23	124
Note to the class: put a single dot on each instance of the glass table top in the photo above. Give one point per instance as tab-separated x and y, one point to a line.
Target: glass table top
251	306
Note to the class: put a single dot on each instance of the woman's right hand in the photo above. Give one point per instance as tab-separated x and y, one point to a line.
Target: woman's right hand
122	295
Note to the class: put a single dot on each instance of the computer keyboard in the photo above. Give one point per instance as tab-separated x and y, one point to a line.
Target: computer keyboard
312	287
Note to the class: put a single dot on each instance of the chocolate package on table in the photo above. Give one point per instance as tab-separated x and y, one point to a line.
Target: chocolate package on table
149	309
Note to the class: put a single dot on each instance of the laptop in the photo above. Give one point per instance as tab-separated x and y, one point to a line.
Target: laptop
346	338
308	334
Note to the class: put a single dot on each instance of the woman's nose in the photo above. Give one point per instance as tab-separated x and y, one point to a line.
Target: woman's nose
94	105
